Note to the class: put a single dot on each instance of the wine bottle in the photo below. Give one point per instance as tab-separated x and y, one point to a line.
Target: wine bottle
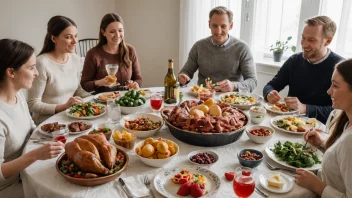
171	94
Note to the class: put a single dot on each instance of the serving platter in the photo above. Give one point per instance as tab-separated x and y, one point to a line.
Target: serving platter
318	125
108	96
242	100
272	156
164	185
49	134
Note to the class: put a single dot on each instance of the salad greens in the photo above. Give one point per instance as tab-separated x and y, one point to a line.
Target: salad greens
295	154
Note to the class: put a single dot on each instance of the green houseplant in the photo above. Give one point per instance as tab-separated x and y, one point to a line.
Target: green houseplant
280	47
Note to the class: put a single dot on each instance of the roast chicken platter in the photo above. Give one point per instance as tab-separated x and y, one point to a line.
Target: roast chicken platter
93	156
205	117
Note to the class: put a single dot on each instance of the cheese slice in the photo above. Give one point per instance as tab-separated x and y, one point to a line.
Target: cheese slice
275	181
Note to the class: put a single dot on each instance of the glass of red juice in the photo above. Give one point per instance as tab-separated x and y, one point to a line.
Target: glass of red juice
244	184
156	102
60	136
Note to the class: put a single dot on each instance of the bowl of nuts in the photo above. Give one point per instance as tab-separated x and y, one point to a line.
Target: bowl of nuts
124	139
250	158
260	134
203	157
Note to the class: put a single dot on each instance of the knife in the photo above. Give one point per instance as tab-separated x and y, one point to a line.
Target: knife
124	187
261	192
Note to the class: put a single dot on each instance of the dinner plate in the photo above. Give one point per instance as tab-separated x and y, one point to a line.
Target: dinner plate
244	104
164	185
318	124
80	132
272	156
268	107
47	133
288	182
103	111
96	97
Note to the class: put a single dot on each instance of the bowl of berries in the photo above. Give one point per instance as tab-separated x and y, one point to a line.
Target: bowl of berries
260	134
250	158
203	157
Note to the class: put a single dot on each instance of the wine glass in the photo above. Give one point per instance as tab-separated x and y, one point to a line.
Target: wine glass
111	69
244	184
156	101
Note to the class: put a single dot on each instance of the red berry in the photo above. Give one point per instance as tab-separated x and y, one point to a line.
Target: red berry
196	190
185	189
230	176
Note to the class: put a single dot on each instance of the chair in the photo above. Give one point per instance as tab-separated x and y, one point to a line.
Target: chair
86	44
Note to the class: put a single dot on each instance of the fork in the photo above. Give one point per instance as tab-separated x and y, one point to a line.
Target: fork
286	171
146	182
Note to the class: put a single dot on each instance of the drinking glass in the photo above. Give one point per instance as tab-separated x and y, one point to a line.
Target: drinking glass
114	111
111	69
244	184
156	101
60	135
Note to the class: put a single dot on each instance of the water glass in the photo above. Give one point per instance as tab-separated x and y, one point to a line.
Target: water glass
114	111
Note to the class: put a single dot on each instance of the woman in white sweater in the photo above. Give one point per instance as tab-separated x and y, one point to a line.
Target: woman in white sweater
17	71
337	162
58	86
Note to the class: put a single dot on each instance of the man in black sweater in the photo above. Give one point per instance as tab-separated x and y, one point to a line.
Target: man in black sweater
308	74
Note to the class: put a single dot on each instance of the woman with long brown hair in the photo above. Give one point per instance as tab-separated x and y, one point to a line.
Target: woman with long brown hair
111	49
336	176
17	71
58	86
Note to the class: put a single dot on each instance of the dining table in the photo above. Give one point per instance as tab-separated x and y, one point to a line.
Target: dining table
41	179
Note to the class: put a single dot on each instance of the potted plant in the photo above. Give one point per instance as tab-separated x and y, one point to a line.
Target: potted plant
279	47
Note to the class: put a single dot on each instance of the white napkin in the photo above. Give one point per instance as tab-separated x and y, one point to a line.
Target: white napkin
136	186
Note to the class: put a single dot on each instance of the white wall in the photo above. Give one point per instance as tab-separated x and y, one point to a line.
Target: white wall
152	27
26	20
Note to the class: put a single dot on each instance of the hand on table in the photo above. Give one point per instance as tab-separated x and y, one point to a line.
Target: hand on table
183	79
273	97
102	83
309	180
225	86
73	101
295	104
49	150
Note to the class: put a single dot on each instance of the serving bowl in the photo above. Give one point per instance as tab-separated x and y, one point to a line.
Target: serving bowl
250	163
91	181
198	157
142	134
131	110
259	138
155	162
201	138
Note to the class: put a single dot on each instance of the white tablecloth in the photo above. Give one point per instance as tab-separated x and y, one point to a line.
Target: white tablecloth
42	180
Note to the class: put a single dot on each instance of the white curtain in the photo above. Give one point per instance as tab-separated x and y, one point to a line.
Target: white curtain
194	17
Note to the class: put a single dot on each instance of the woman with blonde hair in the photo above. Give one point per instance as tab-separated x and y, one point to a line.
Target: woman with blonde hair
336	178
58	86
17	71
111	49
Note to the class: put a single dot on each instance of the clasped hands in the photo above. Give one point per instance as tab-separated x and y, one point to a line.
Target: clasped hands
223	86
291	102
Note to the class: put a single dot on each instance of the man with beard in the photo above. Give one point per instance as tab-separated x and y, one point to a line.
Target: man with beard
308	74
226	60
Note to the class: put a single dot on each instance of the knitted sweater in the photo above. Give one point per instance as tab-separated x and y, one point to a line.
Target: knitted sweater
55	84
94	69
232	61
16	125
308	82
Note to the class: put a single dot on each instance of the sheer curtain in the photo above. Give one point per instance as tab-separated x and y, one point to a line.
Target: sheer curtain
194	17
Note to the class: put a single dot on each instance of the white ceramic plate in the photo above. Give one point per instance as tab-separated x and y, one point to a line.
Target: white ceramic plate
269	106
272	155
273	120
80	132
288	182
248	105
47	133
86	117
96	97
164	185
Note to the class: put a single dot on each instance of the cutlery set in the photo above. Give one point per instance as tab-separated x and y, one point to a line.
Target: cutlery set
145	181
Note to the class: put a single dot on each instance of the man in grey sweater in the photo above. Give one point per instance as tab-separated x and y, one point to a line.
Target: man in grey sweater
221	57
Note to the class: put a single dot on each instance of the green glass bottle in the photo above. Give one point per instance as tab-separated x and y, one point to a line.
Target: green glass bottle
172	86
